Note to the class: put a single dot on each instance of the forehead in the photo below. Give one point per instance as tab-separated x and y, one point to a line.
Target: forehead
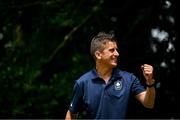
110	44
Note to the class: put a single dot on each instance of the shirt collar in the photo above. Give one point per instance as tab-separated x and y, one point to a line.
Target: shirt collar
94	74
115	74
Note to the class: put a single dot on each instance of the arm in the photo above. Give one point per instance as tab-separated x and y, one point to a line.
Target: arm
70	116
147	97
75	104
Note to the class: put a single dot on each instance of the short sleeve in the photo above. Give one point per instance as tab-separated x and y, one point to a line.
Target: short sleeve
137	87
76	98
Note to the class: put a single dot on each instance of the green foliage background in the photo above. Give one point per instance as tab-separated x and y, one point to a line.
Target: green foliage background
44	47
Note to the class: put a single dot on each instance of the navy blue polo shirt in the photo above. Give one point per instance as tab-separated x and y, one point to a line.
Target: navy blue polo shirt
101	100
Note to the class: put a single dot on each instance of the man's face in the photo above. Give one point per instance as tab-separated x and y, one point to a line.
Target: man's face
110	54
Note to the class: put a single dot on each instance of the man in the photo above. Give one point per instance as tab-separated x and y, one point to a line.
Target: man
104	92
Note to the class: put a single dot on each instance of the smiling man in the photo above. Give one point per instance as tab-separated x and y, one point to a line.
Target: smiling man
104	91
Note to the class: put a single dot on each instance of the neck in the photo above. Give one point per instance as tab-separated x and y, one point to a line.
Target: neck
104	72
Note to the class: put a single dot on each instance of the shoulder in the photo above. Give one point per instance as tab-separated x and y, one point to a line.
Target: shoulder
86	77
124	74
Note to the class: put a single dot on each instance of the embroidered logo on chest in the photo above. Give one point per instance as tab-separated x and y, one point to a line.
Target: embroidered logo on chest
118	85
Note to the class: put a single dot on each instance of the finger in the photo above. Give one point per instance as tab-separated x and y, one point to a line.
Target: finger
142	67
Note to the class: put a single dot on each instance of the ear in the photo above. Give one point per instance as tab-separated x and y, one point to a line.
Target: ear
98	54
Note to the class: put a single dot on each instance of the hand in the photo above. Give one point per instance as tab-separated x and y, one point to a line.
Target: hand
148	73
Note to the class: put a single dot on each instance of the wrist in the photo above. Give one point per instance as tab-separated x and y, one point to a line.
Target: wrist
150	83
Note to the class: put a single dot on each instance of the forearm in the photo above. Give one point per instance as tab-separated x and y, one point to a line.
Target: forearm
70	116
149	98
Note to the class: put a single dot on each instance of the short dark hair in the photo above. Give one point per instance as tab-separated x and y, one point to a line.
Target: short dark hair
98	41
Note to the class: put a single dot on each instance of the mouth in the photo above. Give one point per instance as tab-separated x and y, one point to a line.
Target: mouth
114	61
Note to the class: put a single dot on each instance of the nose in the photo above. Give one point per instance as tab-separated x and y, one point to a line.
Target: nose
116	53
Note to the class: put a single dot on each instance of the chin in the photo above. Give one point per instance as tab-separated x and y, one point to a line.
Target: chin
114	65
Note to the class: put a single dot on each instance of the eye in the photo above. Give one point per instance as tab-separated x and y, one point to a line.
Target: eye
112	50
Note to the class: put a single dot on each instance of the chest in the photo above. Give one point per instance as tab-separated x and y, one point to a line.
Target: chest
97	92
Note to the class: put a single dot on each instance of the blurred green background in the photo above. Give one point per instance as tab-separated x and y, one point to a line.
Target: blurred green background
44	48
